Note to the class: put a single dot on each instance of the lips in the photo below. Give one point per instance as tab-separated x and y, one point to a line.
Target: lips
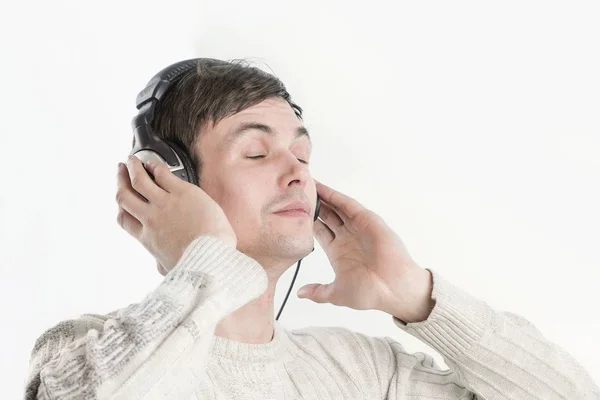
295	206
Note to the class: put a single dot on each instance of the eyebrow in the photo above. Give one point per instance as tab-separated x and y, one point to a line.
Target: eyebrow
242	130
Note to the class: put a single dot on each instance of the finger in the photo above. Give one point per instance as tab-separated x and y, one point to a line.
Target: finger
141	181
345	206
323	234
163	177
319	293
129	223
330	217
128	199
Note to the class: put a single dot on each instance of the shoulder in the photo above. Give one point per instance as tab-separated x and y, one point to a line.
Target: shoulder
365	361
383	352
344	342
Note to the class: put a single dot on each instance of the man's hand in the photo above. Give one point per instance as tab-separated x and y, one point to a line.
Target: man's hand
167	214
373	269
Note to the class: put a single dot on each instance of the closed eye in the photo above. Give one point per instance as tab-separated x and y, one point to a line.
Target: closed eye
262	156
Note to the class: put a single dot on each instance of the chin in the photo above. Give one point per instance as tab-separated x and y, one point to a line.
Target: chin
292	246
279	242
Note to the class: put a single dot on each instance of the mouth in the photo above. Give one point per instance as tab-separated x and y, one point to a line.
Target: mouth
297	208
293	213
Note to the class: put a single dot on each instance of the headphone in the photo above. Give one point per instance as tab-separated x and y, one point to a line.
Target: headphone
148	146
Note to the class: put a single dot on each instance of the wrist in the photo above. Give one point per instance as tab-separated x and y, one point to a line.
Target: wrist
418	304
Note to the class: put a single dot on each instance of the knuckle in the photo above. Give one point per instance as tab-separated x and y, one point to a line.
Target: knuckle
119	197
135	181
149	222
159	171
121	218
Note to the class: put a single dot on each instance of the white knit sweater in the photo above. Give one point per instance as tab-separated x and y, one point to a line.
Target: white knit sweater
164	347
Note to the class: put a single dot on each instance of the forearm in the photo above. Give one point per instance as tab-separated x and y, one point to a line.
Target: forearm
500	355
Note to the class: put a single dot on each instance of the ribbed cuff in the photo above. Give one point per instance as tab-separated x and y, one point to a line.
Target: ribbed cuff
209	261
457	321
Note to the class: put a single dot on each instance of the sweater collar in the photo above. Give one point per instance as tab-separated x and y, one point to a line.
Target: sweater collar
278	349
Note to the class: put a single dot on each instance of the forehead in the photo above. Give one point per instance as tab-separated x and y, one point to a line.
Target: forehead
272	117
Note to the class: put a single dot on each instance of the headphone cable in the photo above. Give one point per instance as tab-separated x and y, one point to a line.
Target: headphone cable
289	290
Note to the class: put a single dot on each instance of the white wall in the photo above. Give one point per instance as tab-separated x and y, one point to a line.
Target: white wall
471	127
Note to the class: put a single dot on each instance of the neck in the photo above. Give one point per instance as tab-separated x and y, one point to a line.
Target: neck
251	323
254	322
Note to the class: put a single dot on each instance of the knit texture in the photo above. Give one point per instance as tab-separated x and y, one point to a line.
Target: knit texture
164	347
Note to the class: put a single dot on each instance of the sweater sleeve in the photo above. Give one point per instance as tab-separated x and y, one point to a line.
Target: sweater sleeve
492	355
150	349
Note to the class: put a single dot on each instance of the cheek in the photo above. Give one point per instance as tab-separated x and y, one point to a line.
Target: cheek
245	204
244	196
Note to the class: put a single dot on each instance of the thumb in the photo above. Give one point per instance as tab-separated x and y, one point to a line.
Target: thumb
316	292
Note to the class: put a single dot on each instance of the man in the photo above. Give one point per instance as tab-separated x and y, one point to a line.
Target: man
207	331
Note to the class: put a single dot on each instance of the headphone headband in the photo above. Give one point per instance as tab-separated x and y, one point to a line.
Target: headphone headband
162	81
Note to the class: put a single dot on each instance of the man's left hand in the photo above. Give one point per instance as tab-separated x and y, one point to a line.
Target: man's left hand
373	269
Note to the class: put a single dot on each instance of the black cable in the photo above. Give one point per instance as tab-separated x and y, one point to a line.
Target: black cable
289	290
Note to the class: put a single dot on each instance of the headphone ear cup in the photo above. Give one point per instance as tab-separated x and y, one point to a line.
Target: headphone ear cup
317	207
187	163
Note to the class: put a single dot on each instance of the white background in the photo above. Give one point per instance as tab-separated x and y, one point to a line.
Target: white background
471	127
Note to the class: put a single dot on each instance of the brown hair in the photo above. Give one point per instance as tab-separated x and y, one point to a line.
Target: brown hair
214	90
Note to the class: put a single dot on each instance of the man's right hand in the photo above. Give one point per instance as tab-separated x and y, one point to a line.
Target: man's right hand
171	213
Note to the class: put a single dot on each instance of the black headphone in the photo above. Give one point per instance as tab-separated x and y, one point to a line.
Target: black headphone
148	146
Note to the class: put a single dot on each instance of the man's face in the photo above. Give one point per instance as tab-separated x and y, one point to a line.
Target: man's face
251	190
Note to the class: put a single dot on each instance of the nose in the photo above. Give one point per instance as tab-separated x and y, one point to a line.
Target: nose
298	174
